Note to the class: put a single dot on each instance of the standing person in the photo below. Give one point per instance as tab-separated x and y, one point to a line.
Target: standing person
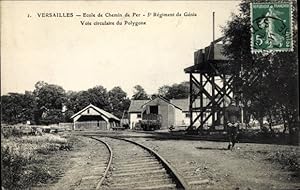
232	115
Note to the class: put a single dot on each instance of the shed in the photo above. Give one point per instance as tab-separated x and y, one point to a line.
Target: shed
92	117
171	115
135	111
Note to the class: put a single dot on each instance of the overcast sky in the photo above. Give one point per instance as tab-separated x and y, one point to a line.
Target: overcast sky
62	51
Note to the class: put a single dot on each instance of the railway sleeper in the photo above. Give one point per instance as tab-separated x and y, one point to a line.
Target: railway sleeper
161	187
154	176
139	173
133	161
137	169
131	158
135	182
143	185
157	187
137	164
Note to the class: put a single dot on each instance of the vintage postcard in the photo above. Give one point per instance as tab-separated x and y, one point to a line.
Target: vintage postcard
149	94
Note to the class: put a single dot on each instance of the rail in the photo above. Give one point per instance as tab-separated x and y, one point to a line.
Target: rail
108	165
171	170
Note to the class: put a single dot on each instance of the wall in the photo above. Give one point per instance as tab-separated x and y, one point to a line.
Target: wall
91	125
179	119
91	112
163	110
133	119
172	115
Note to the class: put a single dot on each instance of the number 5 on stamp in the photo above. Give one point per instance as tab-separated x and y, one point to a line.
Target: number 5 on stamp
271	27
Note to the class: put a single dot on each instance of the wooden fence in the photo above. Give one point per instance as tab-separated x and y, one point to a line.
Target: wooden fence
91	125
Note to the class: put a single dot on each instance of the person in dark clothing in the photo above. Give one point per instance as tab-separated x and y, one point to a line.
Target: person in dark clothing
232	115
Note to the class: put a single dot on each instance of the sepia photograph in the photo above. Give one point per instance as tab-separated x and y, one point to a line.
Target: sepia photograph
149	95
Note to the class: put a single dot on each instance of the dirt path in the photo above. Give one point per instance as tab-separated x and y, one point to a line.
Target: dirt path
78	167
208	165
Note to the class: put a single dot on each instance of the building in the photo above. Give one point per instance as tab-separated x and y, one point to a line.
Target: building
171	115
135	111
183	104
174	112
92	117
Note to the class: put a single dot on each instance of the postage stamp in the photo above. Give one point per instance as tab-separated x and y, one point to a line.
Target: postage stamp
271	27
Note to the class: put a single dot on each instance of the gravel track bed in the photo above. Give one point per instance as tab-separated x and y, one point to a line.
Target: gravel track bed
208	165
135	168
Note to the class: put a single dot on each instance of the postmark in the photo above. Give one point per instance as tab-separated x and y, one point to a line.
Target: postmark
271	27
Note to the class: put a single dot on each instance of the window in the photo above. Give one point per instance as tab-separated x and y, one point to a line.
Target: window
154	109
187	115
88	111
139	115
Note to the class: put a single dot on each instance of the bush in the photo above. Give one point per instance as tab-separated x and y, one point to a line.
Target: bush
22	166
19	172
11	131
12	169
46	138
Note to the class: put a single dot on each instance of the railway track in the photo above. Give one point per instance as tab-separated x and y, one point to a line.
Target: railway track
191	171
95	171
134	166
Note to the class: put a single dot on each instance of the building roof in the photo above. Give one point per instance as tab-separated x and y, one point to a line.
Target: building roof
100	111
165	100
183	104
136	106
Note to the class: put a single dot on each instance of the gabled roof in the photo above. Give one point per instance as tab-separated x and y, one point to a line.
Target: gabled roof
165	100
100	111
184	103
136	106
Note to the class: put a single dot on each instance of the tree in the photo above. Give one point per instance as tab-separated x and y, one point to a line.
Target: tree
119	102
139	93
17	107
50	96
115	101
49	100
176	91
179	91
52	116
72	103
98	96
164	90
266	80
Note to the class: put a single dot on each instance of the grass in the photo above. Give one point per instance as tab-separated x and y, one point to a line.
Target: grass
23	159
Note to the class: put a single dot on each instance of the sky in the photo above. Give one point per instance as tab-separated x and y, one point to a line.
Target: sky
77	57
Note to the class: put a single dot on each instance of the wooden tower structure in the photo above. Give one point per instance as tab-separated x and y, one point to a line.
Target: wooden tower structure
211	79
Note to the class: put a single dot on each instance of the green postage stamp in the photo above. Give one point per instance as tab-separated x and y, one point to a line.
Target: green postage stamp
271	27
